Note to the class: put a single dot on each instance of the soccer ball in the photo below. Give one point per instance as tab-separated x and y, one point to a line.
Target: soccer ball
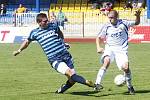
119	80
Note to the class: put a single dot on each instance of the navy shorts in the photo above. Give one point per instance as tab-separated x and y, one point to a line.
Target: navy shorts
65	57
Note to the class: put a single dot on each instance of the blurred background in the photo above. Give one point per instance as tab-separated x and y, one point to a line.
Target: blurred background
80	19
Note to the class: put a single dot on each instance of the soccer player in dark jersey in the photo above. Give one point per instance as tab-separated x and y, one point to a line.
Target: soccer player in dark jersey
50	38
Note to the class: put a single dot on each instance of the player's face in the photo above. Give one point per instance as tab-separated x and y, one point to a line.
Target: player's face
113	18
52	18
43	23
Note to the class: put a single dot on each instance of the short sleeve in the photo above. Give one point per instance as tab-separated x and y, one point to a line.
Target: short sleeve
31	37
103	31
129	23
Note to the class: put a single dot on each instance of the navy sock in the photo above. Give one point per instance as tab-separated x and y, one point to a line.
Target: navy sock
67	86
78	79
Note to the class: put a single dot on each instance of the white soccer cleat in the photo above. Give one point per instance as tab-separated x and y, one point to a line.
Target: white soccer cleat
98	87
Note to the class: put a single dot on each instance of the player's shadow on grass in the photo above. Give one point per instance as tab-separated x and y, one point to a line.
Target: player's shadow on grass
98	94
84	93
143	91
91	93
139	92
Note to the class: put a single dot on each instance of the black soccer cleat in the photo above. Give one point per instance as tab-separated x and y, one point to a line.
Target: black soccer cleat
98	87
131	90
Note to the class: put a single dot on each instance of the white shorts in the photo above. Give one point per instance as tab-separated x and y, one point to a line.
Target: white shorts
61	67
117	54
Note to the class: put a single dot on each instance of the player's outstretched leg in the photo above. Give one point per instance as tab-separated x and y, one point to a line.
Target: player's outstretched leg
80	79
65	87
74	78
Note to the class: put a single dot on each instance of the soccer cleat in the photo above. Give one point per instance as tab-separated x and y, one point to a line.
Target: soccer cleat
89	83
60	89
131	90
98	87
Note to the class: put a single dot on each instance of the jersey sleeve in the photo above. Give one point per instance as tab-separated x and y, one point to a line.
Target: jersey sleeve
31	36
129	23
103	31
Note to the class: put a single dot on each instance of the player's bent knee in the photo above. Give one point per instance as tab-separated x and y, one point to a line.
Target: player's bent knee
125	68
70	72
107	59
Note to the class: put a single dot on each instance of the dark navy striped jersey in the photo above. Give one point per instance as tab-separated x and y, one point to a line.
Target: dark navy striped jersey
48	39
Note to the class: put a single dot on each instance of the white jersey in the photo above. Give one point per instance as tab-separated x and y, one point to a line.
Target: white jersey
116	35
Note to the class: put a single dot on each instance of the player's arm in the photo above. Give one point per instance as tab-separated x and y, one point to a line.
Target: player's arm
100	39
99	43
137	15
60	34
23	46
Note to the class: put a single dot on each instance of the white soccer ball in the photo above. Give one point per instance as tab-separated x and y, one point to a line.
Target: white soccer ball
119	80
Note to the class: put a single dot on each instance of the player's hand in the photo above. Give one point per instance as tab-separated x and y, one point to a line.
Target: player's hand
100	50
67	45
15	53
138	12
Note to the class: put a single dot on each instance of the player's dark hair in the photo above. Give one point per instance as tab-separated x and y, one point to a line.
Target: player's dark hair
40	16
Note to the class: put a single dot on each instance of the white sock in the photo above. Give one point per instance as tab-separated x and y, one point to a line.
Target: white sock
100	75
128	79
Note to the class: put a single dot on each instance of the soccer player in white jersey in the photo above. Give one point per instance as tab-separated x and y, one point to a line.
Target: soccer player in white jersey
114	35
50	38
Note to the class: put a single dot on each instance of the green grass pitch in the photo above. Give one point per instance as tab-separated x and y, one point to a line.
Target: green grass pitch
29	76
